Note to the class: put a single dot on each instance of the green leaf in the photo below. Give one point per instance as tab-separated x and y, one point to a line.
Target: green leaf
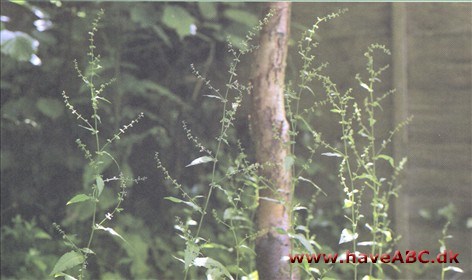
143	16
110	231
78	198
387	158
280	230
453	268
207	9
18	45
87	251
213	96
160	32
100	184
366	176
332	155
348	203
388	235
90	172
179	19
41	234
162	91
215	270
191	252
69	277
288	162
200	160
127	173
305	242
66	276
366	87
312	183
50	107
68	260
241	16
234	214
177	200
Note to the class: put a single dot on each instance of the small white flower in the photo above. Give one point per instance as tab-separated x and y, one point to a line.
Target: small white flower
193	29
109	216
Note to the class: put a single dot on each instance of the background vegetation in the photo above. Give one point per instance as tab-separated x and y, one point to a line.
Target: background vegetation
149	47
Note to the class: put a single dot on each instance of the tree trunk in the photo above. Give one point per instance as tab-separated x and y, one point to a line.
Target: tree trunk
270	132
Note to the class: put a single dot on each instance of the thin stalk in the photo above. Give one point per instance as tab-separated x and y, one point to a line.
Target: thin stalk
220	140
348	166
376	185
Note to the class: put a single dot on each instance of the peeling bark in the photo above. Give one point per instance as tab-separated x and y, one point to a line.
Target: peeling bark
270	132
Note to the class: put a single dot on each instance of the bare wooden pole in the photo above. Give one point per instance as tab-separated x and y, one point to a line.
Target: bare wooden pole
271	136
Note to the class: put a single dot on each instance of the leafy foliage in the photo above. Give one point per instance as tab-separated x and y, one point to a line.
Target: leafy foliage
146	55
54	170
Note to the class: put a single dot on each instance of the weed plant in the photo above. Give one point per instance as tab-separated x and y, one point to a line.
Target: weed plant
359	155
360	151
448	212
76	260
234	178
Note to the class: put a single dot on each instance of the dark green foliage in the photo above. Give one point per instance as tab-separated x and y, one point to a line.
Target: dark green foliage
53	173
42	166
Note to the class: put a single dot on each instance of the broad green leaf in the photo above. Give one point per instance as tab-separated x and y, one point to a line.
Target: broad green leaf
41	234
215	269
78	198
18	45
347	236
100	184
68	260
143	15
179	19
241	16
50	107
332	155
305	242
207	9
191	253
200	160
